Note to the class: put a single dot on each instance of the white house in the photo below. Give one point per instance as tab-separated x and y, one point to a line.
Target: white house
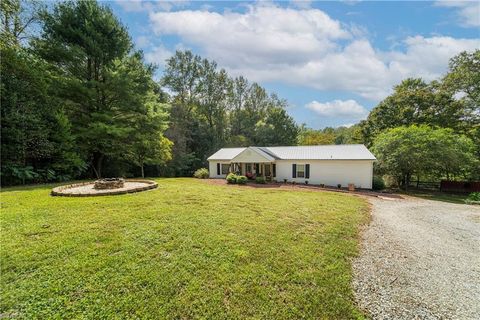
325	164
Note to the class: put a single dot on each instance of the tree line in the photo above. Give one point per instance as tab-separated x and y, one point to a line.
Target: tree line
78	101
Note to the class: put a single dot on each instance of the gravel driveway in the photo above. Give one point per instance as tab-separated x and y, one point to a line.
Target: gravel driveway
420	259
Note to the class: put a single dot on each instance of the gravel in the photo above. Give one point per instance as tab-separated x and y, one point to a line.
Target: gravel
420	259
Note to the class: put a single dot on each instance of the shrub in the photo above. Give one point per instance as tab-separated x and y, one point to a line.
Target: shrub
306	181
201	173
378	183
260	180
242	179
474	196
339	185
232	178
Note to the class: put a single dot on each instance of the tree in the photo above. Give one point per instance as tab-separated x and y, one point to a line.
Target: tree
278	128
309	137
105	86
18	20
419	150
36	138
452	102
211	110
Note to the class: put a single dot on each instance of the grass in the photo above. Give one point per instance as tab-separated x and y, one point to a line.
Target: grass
187	250
438	196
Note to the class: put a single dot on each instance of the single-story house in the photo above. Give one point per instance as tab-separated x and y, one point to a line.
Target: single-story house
324	164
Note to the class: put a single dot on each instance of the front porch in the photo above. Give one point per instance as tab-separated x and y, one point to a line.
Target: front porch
252	170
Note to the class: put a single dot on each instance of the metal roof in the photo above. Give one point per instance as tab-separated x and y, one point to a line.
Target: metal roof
226	154
321	152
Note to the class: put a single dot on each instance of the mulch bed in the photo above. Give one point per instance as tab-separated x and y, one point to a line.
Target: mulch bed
278	185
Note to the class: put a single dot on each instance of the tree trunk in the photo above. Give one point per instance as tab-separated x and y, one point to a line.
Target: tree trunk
143	174
97	164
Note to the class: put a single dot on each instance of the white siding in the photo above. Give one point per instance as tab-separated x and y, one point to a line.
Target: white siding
330	172
212	168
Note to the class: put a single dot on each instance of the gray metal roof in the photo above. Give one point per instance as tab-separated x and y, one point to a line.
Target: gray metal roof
321	152
226	154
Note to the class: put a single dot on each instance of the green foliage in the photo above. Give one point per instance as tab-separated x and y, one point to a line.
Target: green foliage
211	110
76	96
474	196
35	133
231	178
419	150
328	135
378	183
201	173
241	180
260	180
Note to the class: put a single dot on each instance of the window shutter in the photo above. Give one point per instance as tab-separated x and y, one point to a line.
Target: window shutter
218	169
274	170
307	171
294	170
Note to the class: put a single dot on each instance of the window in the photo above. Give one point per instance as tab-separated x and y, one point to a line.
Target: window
248	167
300	171
225	168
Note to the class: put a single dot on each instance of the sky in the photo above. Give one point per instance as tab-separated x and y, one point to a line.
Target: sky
332	61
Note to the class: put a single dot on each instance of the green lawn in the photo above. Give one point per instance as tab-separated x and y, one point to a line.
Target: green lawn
186	250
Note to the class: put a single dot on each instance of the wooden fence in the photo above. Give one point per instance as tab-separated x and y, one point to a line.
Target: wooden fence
460	186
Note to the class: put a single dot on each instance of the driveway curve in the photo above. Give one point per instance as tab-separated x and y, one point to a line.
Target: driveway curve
420	259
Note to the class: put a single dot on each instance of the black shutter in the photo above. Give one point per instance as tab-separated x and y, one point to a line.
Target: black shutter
218	169
307	171
257	168
294	170
274	170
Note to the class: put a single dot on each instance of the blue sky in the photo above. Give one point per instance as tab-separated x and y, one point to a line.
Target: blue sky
332	61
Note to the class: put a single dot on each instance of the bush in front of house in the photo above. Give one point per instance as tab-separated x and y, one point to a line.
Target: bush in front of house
242	179
378	183
201	173
260	180
232	178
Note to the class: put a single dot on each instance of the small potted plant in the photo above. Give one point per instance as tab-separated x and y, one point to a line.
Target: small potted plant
285	180
339	185
306	181
322	185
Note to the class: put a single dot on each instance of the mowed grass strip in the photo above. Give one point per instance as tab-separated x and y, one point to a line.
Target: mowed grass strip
186	250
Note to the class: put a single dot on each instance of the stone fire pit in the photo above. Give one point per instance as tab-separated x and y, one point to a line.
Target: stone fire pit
109	183
104	187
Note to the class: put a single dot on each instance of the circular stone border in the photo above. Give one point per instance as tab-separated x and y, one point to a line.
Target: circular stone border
58	191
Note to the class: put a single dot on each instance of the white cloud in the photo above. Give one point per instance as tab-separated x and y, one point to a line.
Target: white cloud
158	55
467	11
142	41
141	5
339	108
306	47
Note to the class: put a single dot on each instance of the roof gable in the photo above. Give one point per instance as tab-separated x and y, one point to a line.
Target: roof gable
253	154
